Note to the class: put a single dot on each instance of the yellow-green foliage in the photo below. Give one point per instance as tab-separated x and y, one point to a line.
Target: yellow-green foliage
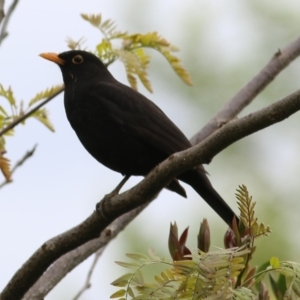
131	50
14	114
222	274
207	276
246	207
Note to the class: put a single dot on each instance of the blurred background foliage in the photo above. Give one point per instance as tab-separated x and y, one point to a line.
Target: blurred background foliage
223	44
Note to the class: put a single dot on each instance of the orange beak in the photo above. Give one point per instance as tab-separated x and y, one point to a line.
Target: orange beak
53	57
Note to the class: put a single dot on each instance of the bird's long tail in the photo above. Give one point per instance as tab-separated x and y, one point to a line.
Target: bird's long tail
198	180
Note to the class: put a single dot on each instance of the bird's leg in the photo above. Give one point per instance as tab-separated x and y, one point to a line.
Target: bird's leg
99	206
118	187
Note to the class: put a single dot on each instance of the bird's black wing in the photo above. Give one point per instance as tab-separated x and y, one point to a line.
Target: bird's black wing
138	116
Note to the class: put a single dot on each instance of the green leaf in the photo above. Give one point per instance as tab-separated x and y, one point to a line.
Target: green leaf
122	281
45	94
134	65
118	294
164	276
246	207
243	293
107	27
169	274
291	271
130	292
95	20
153	255
138	278
8	94
75	45
138	256
275	262
155	41
132	80
150	39
278	290
10	132
177	66
2	118
105	51
3	111
127	265
42	116
158	279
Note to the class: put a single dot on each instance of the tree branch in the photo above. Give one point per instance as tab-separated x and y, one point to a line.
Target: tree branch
143	192
69	261
19	163
87	283
3	32
278	62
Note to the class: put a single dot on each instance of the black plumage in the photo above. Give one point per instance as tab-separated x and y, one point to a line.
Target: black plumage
122	129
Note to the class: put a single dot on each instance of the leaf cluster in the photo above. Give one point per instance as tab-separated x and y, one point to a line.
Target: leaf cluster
207	275
131	50
12	112
246	207
221	274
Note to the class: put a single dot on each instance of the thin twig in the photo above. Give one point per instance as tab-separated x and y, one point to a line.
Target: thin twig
232	108
19	163
3	32
25	116
24	158
87	283
1	11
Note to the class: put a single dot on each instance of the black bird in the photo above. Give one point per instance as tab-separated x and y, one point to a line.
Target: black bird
124	130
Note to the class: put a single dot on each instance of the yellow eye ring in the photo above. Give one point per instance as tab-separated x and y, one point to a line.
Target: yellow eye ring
77	59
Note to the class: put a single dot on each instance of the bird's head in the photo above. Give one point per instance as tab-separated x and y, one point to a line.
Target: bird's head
77	65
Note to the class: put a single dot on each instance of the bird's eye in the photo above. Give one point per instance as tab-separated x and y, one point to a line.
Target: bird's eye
77	59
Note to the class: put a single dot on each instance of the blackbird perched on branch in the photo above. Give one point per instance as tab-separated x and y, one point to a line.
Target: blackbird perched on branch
124	130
